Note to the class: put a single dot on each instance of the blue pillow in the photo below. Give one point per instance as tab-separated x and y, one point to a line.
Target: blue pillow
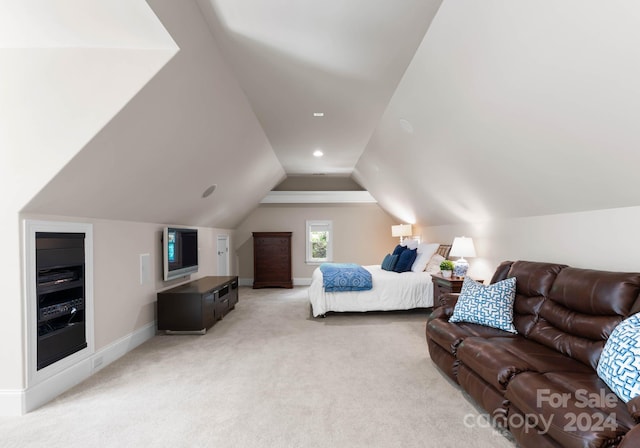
389	262
619	364
398	250
405	260
491	306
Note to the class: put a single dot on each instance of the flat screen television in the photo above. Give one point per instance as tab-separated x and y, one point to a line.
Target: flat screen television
180	252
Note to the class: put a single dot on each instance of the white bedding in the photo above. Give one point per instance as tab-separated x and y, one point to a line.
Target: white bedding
391	291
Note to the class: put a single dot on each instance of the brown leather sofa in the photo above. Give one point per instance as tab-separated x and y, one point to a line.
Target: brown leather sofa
541	384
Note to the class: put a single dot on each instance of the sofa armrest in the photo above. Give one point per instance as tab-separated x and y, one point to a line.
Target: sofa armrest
445	310
631	439
449	300
634	409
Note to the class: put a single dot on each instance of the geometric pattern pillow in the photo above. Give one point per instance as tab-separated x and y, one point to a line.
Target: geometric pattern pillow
619	364
488	305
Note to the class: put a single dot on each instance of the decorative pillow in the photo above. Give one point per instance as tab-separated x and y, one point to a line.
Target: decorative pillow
389	262
491	305
398	250
405	260
425	252
619	364
433	266
411	243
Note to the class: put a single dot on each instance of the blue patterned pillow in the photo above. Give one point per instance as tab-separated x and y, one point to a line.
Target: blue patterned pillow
491	305
619	364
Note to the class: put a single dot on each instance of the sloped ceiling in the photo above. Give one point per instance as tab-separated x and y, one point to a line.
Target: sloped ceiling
341	58
506	109
189	128
512	109
59	85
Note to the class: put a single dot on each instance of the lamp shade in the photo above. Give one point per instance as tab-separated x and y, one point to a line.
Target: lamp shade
401	230
462	247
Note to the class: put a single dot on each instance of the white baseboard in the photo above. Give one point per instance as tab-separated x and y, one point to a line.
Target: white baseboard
11	403
19	402
300	281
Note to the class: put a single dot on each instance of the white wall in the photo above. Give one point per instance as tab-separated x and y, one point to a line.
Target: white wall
122	305
601	239
63	82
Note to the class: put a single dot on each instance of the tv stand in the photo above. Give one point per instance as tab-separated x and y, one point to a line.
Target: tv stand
195	307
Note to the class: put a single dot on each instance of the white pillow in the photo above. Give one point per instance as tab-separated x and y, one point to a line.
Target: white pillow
425	252
411	244
433	266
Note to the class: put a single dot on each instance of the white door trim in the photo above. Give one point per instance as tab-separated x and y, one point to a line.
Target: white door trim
35	376
222	253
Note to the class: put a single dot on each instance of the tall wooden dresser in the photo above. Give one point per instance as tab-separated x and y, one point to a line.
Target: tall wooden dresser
272	260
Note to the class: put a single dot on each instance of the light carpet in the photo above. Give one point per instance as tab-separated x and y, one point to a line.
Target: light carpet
267	375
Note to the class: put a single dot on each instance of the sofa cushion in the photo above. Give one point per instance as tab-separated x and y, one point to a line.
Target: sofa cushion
583	349
486	305
578	409
534	278
449	335
498	360
502	272
488	359
619	364
596	293
582	309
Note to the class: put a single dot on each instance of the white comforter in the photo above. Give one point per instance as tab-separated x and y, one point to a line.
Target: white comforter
391	291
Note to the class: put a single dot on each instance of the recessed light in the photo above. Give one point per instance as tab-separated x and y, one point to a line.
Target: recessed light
318	114
318	153
209	190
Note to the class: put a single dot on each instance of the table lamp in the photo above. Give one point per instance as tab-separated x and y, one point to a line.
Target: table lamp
462	247
401	230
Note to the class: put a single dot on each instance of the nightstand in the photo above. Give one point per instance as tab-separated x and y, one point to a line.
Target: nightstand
442	285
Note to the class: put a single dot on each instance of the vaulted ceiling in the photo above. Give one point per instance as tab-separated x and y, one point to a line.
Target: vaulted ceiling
446	112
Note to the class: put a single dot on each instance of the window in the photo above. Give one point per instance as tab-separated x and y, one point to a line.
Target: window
319	241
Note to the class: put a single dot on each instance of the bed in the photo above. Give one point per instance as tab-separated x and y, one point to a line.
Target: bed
390	291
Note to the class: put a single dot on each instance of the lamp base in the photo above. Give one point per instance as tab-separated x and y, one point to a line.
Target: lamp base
460	267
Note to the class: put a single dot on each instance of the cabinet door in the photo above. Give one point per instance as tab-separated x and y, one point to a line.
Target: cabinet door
208	309
233	295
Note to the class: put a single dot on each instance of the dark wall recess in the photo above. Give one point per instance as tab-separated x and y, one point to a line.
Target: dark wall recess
60	286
